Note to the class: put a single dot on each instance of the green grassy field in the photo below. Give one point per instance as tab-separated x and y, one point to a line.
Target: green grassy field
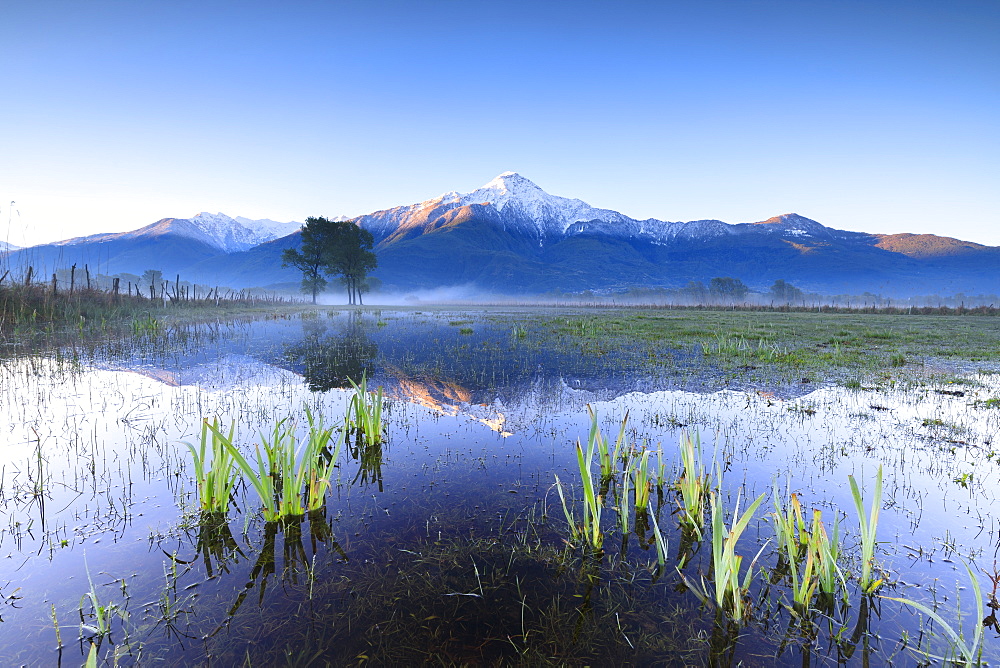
810	342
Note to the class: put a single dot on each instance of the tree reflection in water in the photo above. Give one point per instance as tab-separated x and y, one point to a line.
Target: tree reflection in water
328	359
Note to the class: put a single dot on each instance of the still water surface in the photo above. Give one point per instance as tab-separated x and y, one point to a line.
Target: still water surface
450	544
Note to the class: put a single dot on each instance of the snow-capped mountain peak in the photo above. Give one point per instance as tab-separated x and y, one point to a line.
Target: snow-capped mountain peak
507	187
523	201
235	234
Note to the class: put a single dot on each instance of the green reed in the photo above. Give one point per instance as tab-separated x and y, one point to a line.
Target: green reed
101	615
574	529
214	472
318	461
591	501
147	326
642	482
808	551
589	530
868	527
730	590
289	478
961	652
596	441
693	484
624	507
831	578
661	543
364	413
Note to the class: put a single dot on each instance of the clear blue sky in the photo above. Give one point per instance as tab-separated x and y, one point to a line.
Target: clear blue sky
863	115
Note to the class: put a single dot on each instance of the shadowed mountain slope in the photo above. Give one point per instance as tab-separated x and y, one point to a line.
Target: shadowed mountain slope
511	236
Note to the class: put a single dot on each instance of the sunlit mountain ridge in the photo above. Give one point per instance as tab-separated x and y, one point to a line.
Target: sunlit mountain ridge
512	237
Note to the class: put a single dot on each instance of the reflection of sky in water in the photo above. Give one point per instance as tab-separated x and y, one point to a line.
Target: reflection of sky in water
116	477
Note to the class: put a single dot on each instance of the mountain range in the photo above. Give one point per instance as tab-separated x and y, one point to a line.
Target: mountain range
510	236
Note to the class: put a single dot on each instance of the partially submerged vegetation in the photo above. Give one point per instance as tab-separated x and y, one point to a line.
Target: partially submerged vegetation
400	526
26	310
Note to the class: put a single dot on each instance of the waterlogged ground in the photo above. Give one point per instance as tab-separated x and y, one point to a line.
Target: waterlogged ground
449	543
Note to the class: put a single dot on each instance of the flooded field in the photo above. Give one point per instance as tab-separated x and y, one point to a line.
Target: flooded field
732	501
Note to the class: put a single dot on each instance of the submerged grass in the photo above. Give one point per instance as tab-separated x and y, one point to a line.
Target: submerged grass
868	527
290	479
729	589
961	650
214	468
693	484
364	414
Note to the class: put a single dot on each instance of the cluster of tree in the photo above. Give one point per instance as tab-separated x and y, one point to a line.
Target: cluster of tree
332	248
719	289
785	293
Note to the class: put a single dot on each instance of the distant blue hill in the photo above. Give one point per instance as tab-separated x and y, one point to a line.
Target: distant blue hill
510	236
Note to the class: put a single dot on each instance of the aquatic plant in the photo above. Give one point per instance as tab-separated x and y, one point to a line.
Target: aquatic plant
589	529
729	590
693	484
101	615
808	552
591	502
661	543
960	650
641	482
289	479
214	471
318	461
364	413
868	527
827	550
147	326
596	441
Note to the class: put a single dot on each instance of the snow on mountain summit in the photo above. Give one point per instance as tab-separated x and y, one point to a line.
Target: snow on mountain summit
513	195
520	207
235	234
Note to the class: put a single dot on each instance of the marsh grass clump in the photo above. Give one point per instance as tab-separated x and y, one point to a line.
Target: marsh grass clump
641	481
868	527
147	325
589	528
289	478
693	485
364	413
607	457
214	467
729	589
807	554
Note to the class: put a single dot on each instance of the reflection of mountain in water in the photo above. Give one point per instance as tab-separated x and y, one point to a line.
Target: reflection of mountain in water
426	359
442	397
